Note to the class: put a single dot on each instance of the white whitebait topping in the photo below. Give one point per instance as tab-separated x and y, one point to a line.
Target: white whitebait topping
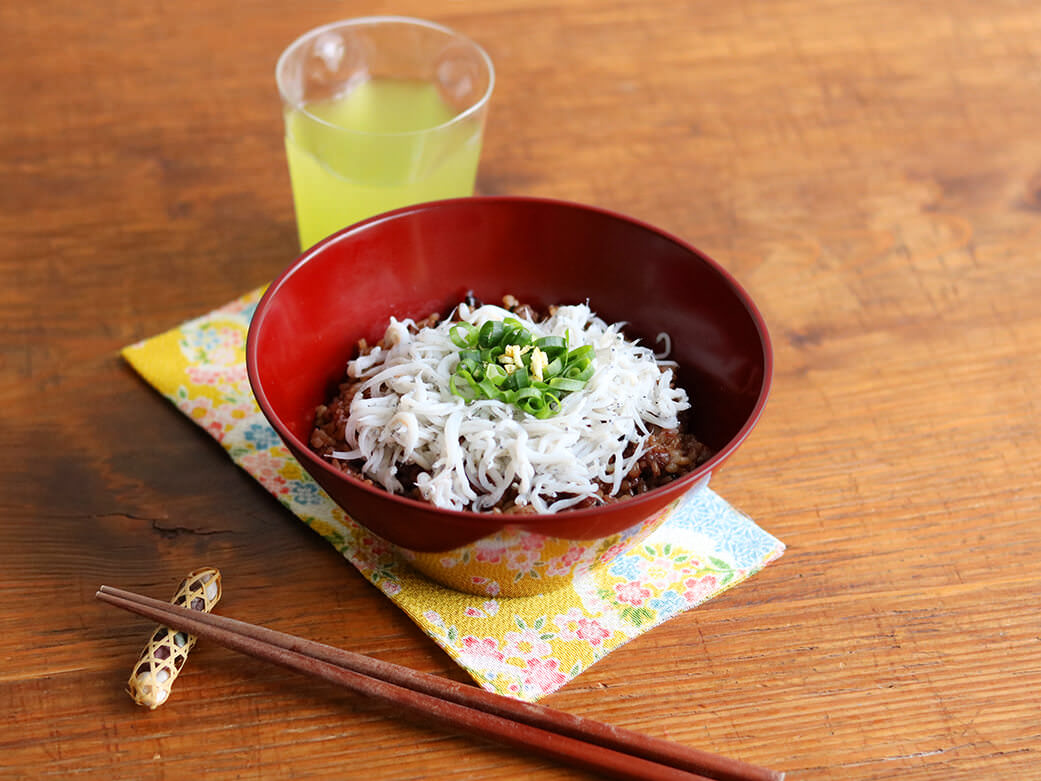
473	453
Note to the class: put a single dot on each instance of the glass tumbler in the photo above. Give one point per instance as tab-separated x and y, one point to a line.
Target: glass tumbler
380	112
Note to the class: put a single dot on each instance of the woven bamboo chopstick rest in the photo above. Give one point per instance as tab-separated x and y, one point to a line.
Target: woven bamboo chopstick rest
167	649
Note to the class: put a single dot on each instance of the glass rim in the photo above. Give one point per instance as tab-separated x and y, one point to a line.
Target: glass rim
360	21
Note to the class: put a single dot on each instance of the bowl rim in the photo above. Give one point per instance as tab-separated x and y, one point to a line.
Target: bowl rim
529	520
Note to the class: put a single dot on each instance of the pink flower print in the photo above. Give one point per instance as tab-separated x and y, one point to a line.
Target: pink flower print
661	572
591	631
490	587
556	567
564	563
489	608
267	472
216	429
222	377
567	623
202	375
632	592
699	589
613	552
492	555
376	545
223	346
200	409
525	644
543	675
523	560
272	481
573	625
217	419
532	542
573	554
482	649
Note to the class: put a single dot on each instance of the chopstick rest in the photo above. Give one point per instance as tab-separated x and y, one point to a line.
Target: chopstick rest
167	649
574	740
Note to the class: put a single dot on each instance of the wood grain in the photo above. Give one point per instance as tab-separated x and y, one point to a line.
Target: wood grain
869	170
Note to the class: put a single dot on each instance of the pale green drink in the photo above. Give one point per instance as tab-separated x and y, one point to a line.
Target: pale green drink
380	112
383	161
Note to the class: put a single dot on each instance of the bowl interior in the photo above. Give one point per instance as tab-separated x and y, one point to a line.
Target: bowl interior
425	258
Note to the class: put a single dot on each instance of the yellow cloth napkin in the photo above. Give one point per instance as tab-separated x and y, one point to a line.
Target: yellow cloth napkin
524	647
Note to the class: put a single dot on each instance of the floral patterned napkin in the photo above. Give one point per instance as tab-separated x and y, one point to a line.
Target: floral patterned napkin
524	647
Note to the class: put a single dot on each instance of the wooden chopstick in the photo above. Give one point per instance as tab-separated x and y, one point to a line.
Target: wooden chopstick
593	745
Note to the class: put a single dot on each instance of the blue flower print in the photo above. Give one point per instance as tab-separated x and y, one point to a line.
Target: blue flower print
261	436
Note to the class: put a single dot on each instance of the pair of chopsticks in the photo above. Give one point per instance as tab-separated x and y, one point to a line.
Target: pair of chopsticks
610	751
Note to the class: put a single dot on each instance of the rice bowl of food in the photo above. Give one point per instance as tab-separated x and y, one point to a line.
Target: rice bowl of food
508	390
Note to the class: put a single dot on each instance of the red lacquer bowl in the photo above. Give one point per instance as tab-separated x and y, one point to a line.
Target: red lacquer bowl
425	258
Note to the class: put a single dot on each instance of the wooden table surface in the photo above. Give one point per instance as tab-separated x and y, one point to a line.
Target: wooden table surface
869	170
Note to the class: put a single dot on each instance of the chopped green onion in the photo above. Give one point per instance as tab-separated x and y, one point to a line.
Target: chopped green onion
491	354
482	372
551	344
518	336
495	373
463	334
520	378
528	392
580	353
580	372
556	366
469	366
490	390
469	393
552	402
490	334
566	384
